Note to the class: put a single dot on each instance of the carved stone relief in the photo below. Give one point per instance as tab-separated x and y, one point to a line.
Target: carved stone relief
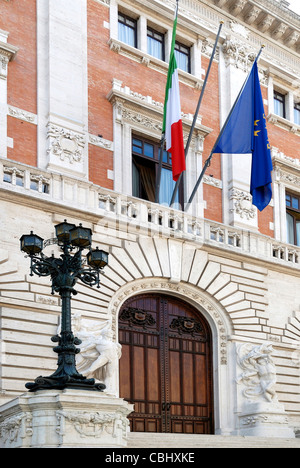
100	354
16	428
243	204
238	54
65	144
259	372
93	425
261	413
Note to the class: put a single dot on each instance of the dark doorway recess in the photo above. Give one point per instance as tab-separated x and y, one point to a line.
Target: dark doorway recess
166	365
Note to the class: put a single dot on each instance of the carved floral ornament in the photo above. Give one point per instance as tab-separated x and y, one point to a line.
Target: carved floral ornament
184	291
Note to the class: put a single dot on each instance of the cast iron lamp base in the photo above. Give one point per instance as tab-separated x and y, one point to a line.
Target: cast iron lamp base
66	375
51	383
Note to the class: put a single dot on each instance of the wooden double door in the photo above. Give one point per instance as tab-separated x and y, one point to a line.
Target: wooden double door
166	365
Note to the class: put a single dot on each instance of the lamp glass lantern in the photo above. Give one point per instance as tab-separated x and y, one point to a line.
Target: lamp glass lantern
63	231
97	259
81	237
31	244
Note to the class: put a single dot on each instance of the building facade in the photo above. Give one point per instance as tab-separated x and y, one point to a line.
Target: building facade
202	306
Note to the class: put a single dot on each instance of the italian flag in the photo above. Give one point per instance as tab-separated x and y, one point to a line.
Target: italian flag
172	124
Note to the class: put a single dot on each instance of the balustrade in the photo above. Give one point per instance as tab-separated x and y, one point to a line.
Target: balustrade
135	214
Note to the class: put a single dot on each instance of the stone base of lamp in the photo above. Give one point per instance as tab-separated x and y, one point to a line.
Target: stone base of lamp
64	418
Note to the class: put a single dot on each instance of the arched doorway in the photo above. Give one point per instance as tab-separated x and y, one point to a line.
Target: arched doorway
166	365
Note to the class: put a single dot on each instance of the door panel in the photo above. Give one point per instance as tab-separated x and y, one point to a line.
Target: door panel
165	368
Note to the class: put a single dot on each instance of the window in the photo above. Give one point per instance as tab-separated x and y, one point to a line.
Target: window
127	30
297	113
145	162
156	43
293	218
7	178
11	176
279	104
39	185
183	57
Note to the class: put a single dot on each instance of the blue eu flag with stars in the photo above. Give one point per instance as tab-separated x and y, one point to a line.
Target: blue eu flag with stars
245	132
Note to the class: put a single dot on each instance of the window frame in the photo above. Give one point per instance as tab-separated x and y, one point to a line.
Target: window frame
126	18
179	45
153	31
295	214
153	161
297	112
280	98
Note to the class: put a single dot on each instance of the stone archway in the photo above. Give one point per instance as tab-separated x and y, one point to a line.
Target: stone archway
221	329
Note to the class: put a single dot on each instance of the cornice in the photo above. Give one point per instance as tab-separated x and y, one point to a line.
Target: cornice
143	110
8	51
284	123
271	18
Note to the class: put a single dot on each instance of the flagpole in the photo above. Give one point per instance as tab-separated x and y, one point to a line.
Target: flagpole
162	141
208	161
197	111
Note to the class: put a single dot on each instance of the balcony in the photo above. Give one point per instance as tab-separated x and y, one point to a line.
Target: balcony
127	215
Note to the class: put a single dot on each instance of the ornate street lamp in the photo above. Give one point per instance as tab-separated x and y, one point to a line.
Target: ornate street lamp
65	272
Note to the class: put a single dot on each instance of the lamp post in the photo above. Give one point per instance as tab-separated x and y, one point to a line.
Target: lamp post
65	272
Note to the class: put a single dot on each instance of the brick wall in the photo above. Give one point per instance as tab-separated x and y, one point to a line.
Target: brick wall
19	19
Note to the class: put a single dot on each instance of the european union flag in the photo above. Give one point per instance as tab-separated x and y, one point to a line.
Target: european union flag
245	132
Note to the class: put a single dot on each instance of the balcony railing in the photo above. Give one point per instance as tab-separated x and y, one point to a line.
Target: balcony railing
134	215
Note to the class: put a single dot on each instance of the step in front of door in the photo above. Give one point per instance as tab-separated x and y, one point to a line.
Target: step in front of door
193	441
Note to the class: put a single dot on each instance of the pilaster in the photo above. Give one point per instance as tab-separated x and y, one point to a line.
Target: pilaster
7	54
235	65
62	86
